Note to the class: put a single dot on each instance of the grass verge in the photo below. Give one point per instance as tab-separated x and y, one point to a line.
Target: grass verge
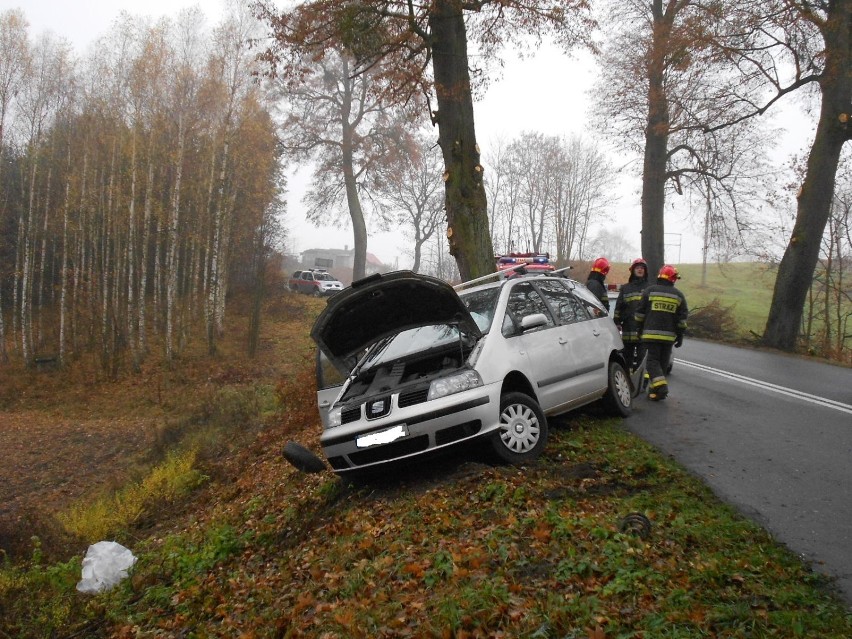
454	549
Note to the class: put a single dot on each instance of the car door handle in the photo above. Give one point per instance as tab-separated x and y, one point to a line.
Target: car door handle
562	340
596	332
325	404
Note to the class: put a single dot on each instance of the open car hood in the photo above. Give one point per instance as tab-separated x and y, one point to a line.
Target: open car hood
379	306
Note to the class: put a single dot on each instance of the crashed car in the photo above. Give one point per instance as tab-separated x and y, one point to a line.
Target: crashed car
409	366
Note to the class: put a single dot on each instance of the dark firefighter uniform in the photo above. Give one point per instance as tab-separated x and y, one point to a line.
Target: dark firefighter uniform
595	283
661	318
625	308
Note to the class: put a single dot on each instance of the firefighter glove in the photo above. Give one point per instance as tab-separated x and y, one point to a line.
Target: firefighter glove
678	341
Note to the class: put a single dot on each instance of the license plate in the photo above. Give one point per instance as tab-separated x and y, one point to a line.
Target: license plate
382	437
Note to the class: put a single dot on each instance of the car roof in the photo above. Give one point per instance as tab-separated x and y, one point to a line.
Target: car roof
503	280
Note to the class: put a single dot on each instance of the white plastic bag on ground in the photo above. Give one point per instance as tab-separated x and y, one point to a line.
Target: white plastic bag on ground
105	564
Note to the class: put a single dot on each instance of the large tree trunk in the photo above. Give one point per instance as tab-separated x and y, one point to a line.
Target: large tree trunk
359	226
656	149
796	270
353	201
467	210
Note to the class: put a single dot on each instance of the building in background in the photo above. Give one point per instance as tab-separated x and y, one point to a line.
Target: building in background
339	262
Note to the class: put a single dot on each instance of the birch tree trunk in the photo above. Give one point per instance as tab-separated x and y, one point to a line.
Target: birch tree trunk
172	247
63	271
131	259
146	240
26	273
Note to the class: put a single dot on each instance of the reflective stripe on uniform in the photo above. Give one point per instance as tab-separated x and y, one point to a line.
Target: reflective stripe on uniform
664	302
658	336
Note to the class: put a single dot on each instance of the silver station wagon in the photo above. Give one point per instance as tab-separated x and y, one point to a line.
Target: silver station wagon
409	365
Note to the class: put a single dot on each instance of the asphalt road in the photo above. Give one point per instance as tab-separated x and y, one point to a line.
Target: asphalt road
771	435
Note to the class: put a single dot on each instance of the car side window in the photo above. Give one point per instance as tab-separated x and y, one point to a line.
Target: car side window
524	300
566	307
308	276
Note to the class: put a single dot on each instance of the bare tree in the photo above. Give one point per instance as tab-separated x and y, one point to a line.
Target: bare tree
582	197
781	47
343	122
663	88
14	64
547	192
43	96
232	67
113	171
414	38
612	243
826	325
410	194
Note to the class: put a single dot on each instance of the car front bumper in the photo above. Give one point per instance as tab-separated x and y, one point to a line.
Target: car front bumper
413	430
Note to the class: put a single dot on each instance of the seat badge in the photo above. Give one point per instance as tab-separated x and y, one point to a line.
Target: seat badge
378	408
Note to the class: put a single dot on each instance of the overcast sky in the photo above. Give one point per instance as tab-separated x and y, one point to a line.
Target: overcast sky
546	93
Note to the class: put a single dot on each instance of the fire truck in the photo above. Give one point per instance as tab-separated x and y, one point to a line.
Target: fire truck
534	262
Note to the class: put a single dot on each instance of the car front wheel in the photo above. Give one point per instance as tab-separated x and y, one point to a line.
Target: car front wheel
522	434
618	396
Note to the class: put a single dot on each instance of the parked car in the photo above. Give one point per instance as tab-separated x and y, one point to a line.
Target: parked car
316	282
408	365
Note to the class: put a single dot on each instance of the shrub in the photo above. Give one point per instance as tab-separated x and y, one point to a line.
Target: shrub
712	321
167	482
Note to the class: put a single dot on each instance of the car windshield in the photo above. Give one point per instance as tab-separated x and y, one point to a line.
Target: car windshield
325	277
411	342
481	305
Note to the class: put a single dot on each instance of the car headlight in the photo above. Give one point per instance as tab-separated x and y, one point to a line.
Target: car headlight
335	417
457	383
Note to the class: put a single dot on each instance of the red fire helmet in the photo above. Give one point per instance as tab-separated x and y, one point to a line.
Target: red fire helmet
668	272
600	265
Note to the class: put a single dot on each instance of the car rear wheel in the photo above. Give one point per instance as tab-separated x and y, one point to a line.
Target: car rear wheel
618	398
523	429
317	293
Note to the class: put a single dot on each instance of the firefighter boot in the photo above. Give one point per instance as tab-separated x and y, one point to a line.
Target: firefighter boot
659	390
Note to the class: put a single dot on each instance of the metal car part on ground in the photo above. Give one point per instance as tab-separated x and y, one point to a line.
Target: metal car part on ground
407	366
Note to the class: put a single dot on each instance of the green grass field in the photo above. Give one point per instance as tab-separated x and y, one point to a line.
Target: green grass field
746	288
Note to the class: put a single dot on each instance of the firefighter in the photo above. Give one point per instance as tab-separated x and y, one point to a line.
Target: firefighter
661	318
595	283
625	307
